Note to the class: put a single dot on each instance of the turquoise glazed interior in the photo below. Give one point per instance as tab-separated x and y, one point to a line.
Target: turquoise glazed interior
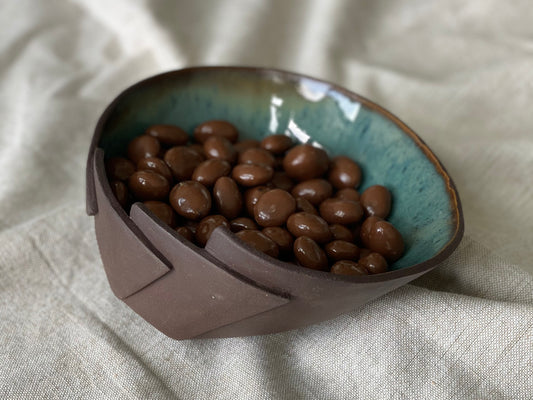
262	102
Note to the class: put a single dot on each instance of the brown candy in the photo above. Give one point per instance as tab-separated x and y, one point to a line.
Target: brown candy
182	161
162	211
309	254
313	190
257	156
374	263
281	180
185	232
259	241
274	207
228	198
340	232
305	206
245	145
148	185
119	168
305	224
168	135
382	237
346	267
252	174
142	147
304	162
367	227
241	223
342	250
210	170
220	148
348	194
216	128
157	165
376	200
338	211
344	173
281	237
190	199
120	190
277	144
206	227
251	196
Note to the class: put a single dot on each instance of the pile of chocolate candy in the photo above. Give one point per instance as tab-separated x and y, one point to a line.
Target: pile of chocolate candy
287	200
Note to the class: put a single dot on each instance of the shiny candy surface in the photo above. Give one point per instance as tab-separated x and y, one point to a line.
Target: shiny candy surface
344	173
309	254
210	170
376	200
148	185
216	128
227	197
168	135
251	196
304	162
274	207
342	250
252	174
157	165
313	190
220	148
382	237
374	263
191	200
313	226
277	144
338	211
257	155
142	147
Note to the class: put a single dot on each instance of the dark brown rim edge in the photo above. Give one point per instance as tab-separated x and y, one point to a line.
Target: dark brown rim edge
455	202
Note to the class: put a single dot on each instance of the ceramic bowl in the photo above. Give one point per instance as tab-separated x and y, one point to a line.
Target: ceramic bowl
228	289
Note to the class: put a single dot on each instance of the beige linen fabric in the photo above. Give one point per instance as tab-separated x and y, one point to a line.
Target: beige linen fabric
459	73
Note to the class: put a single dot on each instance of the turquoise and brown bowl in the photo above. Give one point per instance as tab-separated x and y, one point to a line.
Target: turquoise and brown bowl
228	289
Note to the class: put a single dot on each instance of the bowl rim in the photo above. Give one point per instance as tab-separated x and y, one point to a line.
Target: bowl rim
269	73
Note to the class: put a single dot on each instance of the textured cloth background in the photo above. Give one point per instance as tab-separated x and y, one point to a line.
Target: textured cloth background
459	73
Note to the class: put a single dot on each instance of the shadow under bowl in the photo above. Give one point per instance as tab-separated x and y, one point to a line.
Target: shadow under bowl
227	288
